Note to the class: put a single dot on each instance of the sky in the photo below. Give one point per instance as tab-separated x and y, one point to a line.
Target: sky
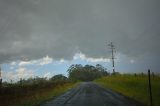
44	37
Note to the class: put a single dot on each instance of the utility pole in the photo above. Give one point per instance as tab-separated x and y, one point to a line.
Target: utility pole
113	57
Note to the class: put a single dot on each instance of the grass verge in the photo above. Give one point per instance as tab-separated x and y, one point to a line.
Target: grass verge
135	87
35	97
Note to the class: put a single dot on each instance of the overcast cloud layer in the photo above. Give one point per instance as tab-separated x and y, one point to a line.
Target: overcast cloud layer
32	29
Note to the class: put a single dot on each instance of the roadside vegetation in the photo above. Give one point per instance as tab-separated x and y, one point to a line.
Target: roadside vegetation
134	86
33	91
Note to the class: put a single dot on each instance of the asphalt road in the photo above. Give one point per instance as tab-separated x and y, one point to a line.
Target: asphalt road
90	94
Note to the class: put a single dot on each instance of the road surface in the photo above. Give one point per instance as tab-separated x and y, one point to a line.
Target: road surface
91	94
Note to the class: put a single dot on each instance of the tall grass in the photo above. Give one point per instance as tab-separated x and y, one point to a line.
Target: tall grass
134	86
31	95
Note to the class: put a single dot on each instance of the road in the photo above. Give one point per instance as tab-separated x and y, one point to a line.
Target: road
91	94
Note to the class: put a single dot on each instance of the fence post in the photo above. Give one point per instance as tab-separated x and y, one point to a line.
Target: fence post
0	82
150	89
0	78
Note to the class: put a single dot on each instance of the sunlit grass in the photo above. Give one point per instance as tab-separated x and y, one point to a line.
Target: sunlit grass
134	86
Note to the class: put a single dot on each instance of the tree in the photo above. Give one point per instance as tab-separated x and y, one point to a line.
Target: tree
102	69
59	77
86	73
74	71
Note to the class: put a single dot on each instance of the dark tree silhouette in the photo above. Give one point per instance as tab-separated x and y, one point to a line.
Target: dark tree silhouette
59	77
86	73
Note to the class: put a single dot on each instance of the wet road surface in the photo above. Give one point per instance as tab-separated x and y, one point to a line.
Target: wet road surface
91	94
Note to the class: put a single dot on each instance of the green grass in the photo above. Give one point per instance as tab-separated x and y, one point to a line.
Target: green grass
29	97
134	87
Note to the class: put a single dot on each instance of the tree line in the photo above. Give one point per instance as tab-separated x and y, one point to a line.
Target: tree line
76	72
86	73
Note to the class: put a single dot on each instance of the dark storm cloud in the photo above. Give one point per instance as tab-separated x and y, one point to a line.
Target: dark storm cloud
60	28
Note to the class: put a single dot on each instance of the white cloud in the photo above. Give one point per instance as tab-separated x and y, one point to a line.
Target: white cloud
47	75
46	60
89	59
62	61
23	73
13	63
42	61
24	63
17	74
98	60
6	76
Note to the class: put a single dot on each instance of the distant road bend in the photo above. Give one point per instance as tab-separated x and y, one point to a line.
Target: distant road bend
91	94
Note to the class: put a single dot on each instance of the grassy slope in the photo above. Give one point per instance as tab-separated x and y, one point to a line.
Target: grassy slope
36	97
134	87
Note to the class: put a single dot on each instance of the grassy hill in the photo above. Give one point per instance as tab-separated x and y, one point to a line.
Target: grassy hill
134	86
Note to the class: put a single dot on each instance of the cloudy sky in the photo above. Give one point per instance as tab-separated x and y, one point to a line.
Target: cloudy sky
44	37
